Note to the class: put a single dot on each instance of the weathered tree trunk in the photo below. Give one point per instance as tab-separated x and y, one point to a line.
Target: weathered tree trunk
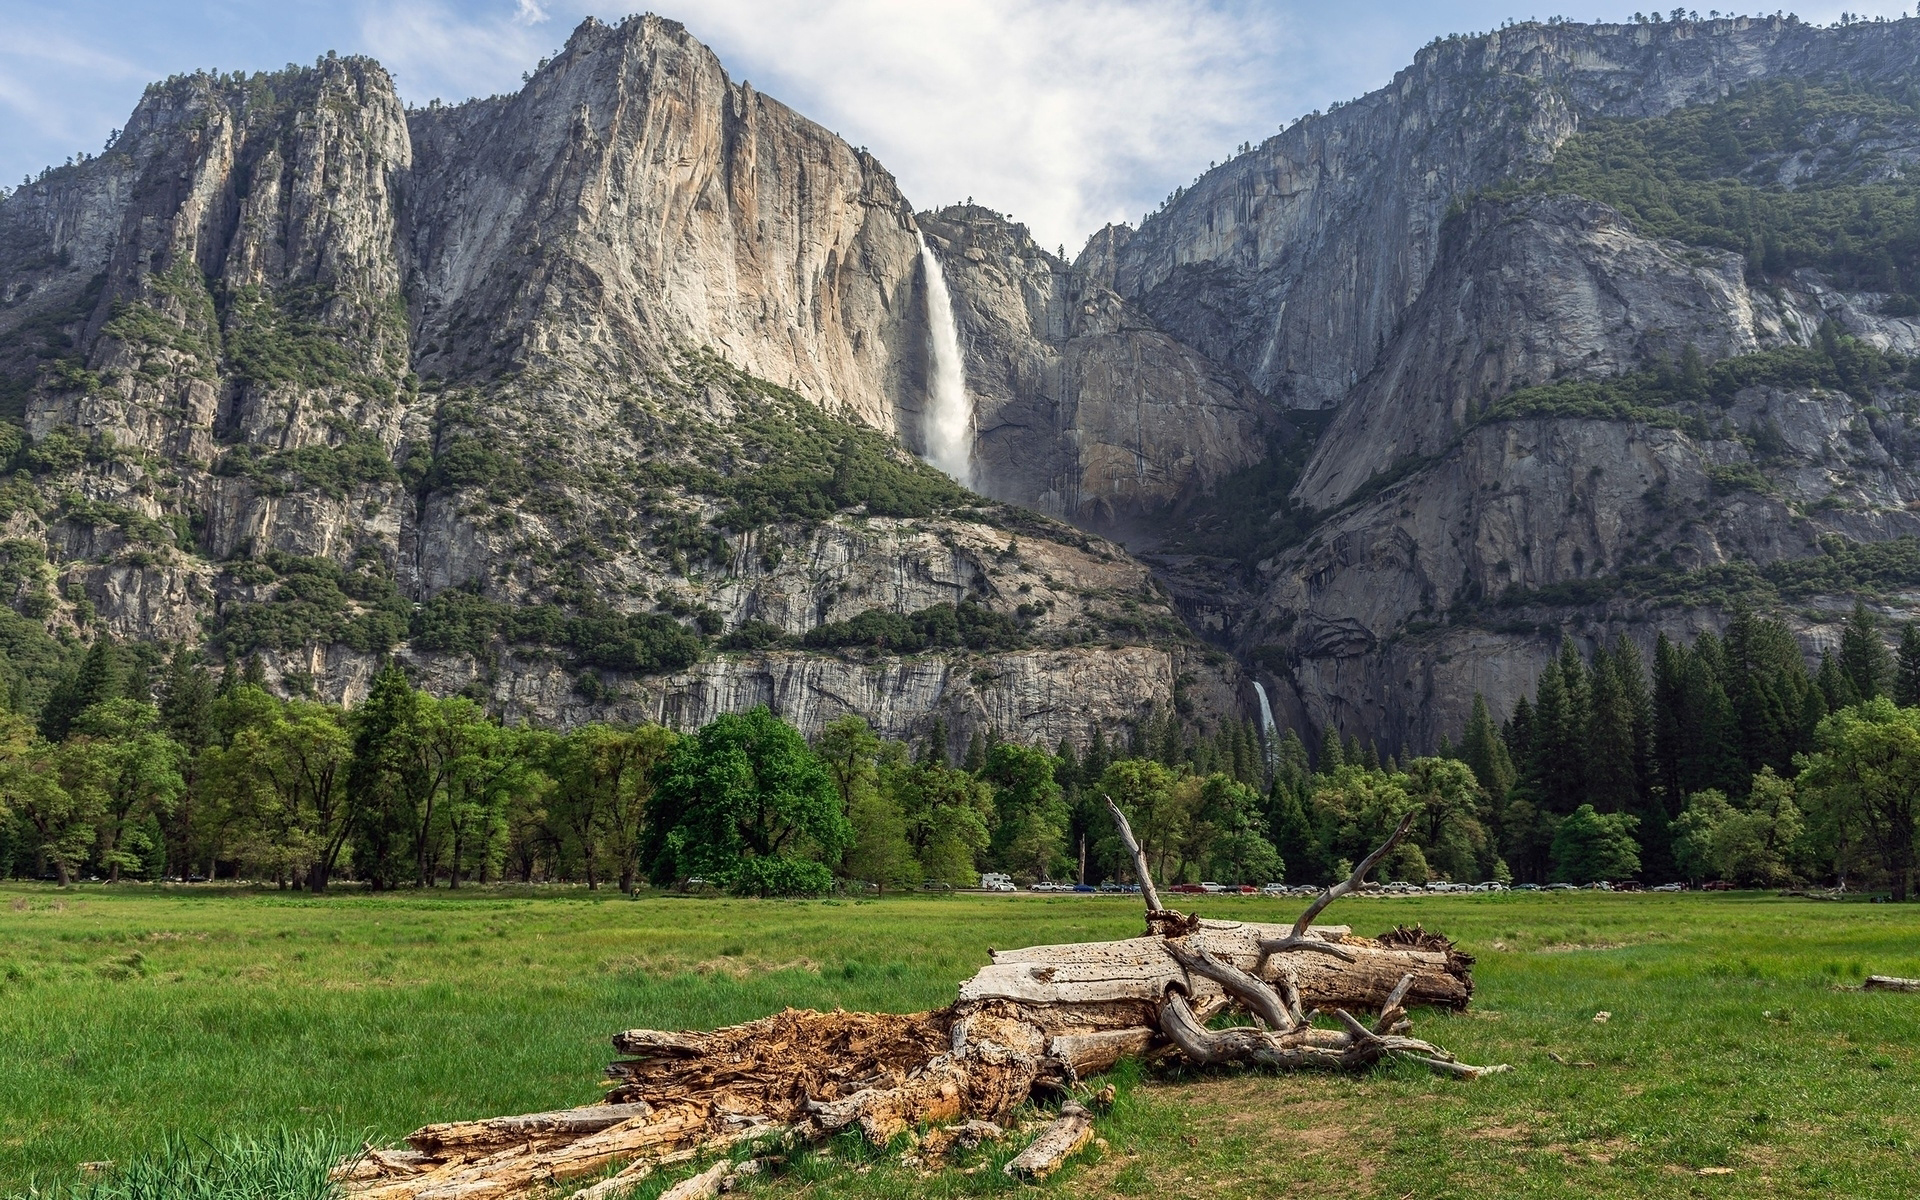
1034	1021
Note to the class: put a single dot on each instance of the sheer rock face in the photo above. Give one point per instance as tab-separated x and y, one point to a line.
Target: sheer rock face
1085	408
1325	269
289	299
1294	264
1526	292
294	265
632	198
1399	609
1366	614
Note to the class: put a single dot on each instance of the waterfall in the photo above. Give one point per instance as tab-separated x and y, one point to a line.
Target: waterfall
1267	730
948	418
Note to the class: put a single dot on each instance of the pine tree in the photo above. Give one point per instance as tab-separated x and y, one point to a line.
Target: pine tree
1711	755
1863	656
1097	758
1836	687
1631	672
97	679
186	705
1332	755
1669	719
1250	747
1557	765
1290	759
1906	673
1292	835
1169	746
1485	752
1612	781
935	752
382	826
1066	769
1517	732
976	759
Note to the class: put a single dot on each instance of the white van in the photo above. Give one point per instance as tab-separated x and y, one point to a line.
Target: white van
994	881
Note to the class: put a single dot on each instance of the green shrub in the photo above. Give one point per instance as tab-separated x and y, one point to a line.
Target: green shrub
333	470
461	622
1707	175
753	635
269	344
779	876
939	626
63	449
317	603
468	462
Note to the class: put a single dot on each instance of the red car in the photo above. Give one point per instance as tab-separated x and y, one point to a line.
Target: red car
1188	888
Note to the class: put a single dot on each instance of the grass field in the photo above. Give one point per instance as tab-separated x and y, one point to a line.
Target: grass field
129	1016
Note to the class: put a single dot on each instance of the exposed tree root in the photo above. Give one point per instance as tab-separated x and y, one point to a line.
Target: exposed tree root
1034	1021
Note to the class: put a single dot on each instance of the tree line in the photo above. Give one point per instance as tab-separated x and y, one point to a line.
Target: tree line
1727	759
138	767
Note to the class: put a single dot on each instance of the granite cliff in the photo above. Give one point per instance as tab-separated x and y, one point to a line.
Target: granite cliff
580	399
601	398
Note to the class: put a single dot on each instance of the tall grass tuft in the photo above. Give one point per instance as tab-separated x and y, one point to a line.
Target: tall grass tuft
283	1165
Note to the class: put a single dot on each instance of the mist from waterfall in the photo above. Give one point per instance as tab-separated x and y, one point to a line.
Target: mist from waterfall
947	421
1268	731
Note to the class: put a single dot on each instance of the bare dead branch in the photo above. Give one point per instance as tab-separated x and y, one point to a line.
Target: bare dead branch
1352	881
1260	999
1139	856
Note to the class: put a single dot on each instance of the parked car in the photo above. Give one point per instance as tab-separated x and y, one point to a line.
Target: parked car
1561	887
935	885
1190	889
1211	888
1274	889
995	881
1113	888
1718	885
1085	887
1669	887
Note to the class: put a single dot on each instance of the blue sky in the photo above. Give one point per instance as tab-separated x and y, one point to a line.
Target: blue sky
1065	113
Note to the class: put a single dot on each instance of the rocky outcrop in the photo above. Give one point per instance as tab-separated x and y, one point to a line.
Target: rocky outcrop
1295	263
617	345
297	359
1530	291
631	199
1466	576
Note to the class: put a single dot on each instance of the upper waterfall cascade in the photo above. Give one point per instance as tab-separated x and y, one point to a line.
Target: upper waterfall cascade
947	422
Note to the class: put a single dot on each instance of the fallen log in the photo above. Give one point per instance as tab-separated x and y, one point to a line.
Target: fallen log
1890	983
1032	1023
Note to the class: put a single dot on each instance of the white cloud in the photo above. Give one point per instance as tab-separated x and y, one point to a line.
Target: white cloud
60	94
1058	111
1065	113
436	51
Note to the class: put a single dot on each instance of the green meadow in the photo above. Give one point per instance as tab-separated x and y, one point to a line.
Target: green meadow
204	1032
